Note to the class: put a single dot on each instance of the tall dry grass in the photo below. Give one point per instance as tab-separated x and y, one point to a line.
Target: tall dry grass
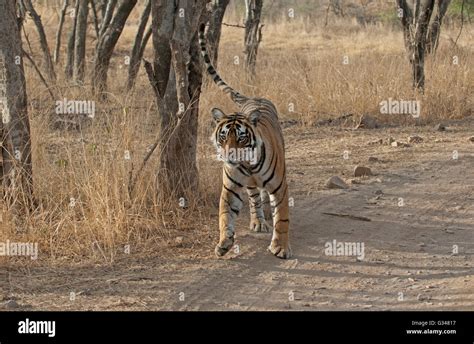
81	176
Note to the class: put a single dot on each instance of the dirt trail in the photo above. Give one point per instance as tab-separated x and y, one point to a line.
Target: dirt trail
408	246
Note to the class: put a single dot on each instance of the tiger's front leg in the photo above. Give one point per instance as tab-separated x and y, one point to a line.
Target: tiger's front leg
280	245
257	215
230	205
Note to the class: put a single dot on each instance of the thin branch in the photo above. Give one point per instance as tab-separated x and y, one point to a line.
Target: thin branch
96	20
59	31
234	25
462	23
39	74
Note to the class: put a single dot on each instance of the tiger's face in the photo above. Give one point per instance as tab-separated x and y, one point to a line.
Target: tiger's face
235	137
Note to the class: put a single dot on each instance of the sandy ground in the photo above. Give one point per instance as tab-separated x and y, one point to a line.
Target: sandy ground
408	246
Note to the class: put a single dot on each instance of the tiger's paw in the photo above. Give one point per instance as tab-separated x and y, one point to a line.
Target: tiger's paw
223	247
280	251
259	225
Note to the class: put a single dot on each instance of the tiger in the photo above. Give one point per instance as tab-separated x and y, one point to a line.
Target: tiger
254	128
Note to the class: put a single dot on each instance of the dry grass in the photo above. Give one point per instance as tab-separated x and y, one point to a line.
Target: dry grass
298	63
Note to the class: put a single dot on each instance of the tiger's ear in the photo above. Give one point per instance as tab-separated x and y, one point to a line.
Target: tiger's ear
217	114
254	117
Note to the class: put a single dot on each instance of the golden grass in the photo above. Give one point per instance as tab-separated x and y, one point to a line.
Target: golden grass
299	63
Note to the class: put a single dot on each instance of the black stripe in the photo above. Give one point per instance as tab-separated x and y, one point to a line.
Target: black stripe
281	200
278	188
234	193
282	221
272	175
232	180
270	165
235	211
245	173
261	161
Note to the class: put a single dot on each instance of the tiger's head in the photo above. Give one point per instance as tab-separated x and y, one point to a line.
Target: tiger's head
236	137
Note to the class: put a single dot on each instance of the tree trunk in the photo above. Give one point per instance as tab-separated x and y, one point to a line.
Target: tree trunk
96	19
59	32
107	42
107	16
16	172
137	51
176	78
42	39
103	8
415	21
435	28
70	44
80	42
215	27
253	34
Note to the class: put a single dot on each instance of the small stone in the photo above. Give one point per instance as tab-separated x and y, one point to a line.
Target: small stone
378	192
422	297
360	171
11	304
179	240
400	144
375	142
373	159
336	182
471	139
415	139
440	127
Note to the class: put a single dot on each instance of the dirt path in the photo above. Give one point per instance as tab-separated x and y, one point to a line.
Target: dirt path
420	202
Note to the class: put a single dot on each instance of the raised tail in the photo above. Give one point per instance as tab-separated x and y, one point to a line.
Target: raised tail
234	95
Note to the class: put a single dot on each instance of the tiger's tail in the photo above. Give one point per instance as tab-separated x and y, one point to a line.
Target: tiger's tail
234	95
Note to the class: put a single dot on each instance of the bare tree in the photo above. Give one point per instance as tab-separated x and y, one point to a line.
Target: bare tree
80	41
415	20
139	46
215	27
70	44
176	79
42	39
96	18
435	28
59	31
253	33
16	171
108	8
108	39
